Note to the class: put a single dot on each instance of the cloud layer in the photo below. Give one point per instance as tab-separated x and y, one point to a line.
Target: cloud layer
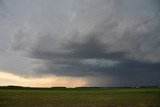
115	39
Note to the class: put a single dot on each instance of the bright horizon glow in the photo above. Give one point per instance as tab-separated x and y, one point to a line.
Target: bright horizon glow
49	81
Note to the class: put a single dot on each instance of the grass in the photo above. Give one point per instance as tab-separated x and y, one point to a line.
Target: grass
87	97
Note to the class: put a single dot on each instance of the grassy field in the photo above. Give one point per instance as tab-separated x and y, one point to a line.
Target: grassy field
94	97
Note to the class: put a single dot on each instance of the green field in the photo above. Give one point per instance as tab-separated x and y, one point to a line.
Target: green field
87	97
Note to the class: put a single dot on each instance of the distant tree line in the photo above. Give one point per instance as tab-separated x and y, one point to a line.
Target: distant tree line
61	88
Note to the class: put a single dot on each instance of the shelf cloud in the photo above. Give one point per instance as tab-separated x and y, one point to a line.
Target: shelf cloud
116	42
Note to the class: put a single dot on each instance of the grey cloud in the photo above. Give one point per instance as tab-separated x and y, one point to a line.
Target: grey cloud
115	38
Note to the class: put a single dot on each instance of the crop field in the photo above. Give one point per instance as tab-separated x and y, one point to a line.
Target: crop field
85	97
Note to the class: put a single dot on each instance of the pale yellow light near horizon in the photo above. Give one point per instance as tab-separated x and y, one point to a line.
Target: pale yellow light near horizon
49	81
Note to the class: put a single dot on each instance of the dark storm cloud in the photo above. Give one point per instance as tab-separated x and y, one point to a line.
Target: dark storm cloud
74	62
91	48
124	70
119	39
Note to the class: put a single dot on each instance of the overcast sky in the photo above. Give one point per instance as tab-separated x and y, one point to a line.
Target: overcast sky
88	42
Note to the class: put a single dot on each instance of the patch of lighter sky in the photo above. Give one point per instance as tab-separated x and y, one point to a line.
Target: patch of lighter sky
48	81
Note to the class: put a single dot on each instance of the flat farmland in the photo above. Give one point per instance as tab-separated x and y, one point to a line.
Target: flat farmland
83	97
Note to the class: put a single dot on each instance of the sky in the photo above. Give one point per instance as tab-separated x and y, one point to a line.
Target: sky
73	43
